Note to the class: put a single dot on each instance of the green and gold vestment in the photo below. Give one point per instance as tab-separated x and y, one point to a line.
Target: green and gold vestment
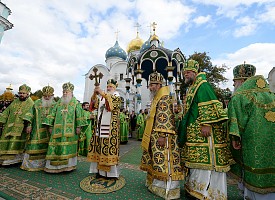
64	119
86	134
140	126
37	145
203	108
124	129
252	120
13	138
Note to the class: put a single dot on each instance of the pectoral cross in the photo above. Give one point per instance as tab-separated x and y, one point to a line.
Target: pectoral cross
96	76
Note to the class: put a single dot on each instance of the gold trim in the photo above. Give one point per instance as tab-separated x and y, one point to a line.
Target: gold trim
150	120
270	116
54	157
165	131
59	162
31	169
193	192
208	103
60	170
62	143
41	141
38	151
260	83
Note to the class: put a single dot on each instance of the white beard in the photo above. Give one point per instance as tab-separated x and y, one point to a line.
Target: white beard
47	103
111	92
66	100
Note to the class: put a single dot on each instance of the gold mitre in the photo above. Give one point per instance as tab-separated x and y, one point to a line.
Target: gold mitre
155	77
47	91
25	89
68	87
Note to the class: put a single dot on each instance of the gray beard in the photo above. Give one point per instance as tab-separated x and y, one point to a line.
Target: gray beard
47	103
189	81
152	95
111	93
66	100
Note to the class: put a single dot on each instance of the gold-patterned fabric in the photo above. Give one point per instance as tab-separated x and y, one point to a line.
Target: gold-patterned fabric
155	160
14	136
105	150
203	108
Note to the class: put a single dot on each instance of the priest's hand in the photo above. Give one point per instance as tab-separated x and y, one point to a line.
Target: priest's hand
78	130
29	129
50	130
161	141
236	144
205	130
98	90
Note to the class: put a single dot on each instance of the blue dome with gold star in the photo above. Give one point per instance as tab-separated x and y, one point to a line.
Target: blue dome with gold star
116	51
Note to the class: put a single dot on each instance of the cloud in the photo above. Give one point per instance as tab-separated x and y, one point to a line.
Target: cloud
53	42
202	19
169	15
248	27
268	15
261	55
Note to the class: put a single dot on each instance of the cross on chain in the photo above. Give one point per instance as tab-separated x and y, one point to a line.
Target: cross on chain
96	76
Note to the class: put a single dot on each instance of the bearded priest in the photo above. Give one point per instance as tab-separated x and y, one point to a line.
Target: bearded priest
14	136
65	121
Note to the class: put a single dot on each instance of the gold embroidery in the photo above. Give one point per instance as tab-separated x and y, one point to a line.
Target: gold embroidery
260	83
270	116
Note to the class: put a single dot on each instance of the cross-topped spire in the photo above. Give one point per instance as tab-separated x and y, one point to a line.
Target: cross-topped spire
154	25
137	26
150	25
117	31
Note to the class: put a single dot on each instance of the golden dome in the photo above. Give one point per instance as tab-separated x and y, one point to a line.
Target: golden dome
154	37
135	44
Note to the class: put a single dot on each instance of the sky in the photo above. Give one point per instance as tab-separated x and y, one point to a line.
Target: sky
58	41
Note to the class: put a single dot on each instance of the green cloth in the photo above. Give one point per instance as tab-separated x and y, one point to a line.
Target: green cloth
13	138
39	137
140	126
124	127
203	108
86	134
64	120
252	120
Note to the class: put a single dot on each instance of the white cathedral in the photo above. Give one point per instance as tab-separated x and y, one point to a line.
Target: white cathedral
132	69
116	68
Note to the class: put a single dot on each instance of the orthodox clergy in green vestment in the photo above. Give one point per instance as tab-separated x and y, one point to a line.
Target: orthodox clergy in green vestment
104	148
140	125
14	136
206	152
37	145
252	130
65	121
87	131
161	156
123	127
